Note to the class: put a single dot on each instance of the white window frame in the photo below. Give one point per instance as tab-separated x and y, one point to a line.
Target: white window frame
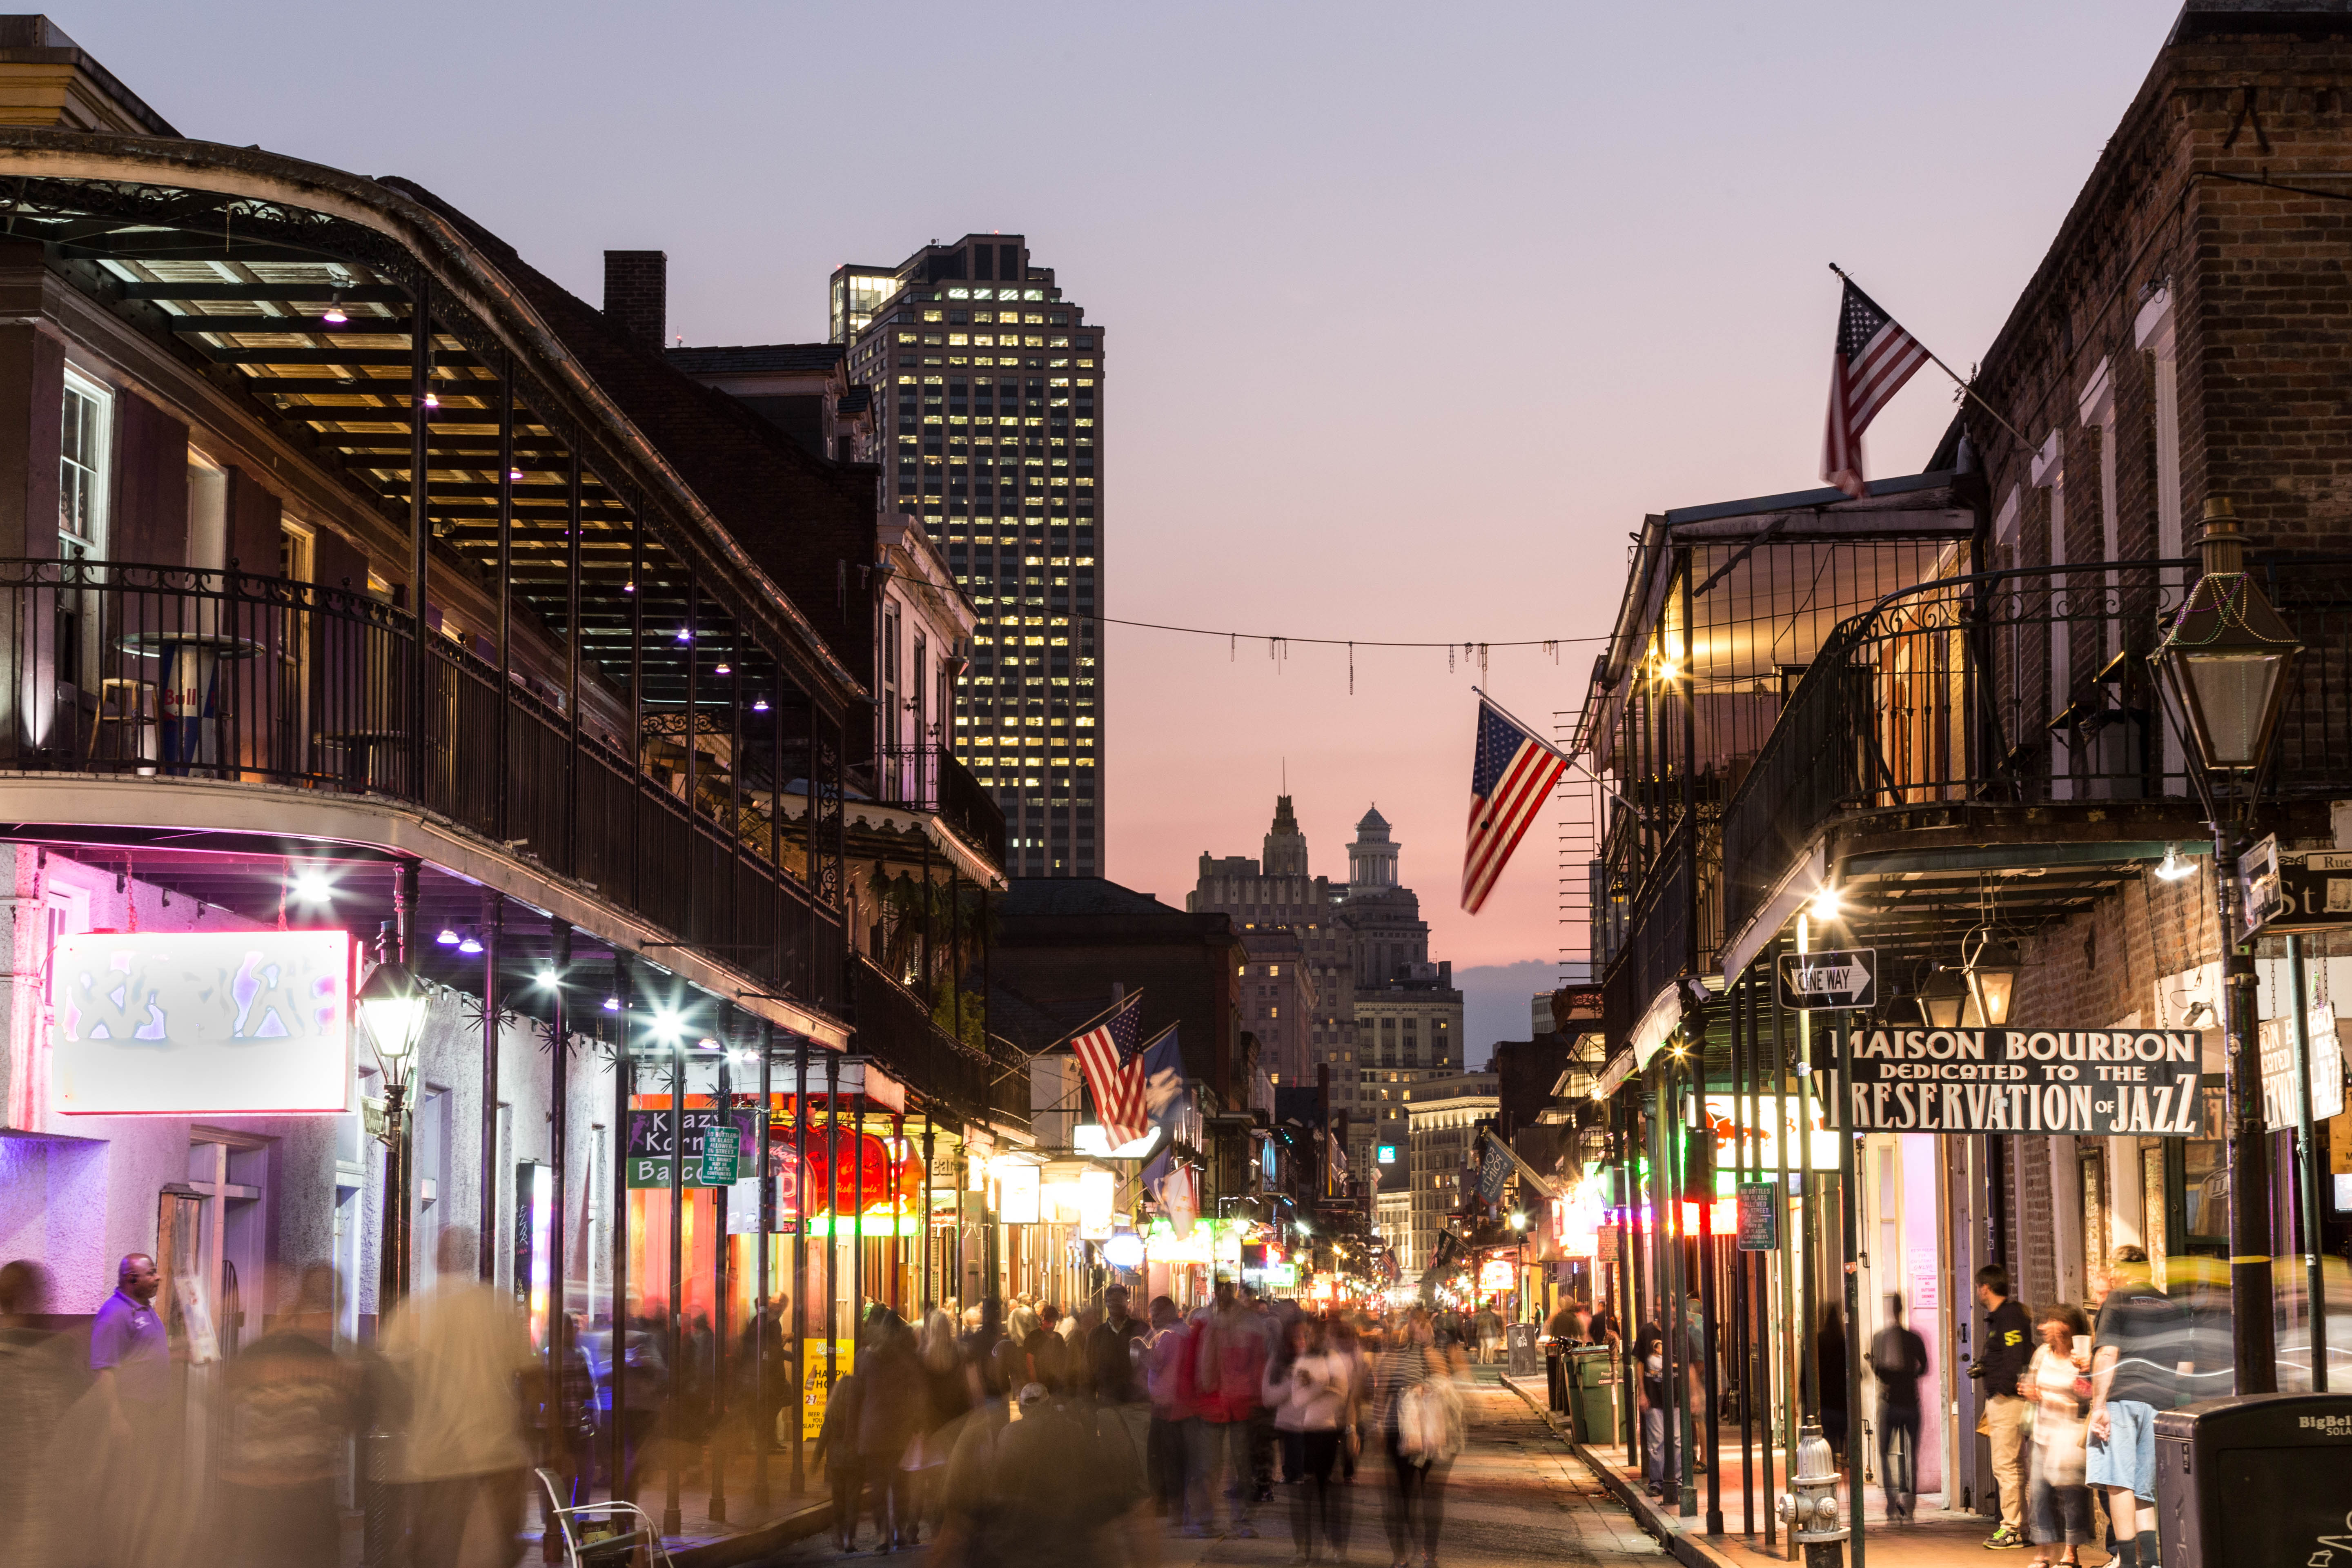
102	397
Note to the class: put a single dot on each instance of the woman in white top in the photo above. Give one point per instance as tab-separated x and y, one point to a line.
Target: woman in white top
1309	1388
2057	1500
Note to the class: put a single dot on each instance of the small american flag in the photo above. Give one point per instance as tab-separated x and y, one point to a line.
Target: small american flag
1875	357
1111	1056
1509	777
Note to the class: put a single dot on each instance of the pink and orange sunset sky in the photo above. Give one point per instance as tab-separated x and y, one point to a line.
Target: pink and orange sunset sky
1412	311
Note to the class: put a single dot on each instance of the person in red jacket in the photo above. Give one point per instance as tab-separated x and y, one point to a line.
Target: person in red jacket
1231	1374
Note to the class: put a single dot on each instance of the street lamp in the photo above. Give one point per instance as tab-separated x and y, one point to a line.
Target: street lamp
2223	668
392	1005
2225	662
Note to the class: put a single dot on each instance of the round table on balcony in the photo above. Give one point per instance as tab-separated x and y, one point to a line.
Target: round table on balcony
190	702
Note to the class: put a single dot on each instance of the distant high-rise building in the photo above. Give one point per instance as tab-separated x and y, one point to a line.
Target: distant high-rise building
1382	1018
988	393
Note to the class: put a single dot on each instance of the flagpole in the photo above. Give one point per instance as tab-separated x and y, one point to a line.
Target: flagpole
1072	1037
1965	388
1529	731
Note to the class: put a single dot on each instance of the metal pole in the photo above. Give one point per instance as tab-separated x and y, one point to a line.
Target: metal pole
420	532
764	1417
2254	1350
493	928
1847	1248
558	1156
858	1222
623	1086
673	1516
1786	1252
800	1196
931	1295
1742	1027
1710	1372
2307	1167
722	1283
832	1222
506	603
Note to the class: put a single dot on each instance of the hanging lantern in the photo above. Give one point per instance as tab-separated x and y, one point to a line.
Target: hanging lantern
1992	976
1943	999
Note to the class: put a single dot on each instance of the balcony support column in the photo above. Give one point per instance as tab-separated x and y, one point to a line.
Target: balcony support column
420	533
623	1086
693	752
559	1158
506	601
763	1412
571	846
493	924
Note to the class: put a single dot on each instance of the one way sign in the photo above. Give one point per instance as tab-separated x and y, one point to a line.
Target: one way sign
1840	977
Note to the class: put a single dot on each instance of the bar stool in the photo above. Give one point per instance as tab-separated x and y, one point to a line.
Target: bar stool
132	712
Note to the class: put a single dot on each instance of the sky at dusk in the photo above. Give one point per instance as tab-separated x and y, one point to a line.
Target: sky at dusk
1412	312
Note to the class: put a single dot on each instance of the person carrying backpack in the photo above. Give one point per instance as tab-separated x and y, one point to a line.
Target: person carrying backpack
1421	1417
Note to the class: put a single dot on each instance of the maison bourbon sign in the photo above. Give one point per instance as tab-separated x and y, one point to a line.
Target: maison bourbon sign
2091	1081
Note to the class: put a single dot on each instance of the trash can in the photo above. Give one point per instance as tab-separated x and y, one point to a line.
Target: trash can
1519	1349
1591	1394
2256	1477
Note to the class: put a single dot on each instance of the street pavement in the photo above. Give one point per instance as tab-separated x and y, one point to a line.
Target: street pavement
1515	1496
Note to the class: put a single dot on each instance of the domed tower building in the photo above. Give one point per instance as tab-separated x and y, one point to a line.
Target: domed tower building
1407	1013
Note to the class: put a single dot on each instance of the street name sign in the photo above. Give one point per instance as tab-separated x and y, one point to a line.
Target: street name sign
2096	1082
1837	978
648	1155
2289	891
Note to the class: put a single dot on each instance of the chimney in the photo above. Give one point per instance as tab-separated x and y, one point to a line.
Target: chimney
636	296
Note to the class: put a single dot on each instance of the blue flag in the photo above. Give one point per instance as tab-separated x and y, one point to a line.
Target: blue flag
1168	1101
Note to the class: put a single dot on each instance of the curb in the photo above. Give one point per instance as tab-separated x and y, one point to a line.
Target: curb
1683	1548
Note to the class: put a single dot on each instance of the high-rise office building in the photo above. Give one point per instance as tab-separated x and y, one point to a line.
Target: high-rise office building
988	390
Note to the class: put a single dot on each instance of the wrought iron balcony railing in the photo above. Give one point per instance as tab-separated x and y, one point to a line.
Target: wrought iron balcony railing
929	778
2019	688
165	671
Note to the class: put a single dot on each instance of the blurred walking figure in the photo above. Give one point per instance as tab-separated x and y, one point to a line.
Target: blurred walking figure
1421	1419
37	1385
2136	1353
1899	1358
130	1503
1050	1490
294	1403
891	1399
1165	1358
1308	1389
458	1352
1115	1370
2058	1499
1232	1357
950	1387
836	1450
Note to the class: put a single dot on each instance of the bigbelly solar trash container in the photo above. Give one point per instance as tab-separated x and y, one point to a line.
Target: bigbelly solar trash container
1591	1395
2257	1478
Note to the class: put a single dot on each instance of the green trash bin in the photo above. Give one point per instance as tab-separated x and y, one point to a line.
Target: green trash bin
1591	1394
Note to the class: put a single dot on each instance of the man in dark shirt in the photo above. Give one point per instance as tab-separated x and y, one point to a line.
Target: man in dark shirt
2135	1347
1115	1370
2008	1346
1659	1458
1899	1358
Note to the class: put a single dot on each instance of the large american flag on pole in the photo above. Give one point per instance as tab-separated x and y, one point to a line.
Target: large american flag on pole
1509	778
1875	357
1111	1056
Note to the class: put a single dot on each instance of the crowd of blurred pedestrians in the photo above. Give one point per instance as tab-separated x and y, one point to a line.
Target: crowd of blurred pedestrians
1004	1433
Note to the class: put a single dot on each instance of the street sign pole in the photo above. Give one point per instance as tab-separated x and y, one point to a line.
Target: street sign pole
2307	1164
1847	1239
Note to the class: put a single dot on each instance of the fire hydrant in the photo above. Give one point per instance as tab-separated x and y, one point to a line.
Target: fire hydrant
1810	1508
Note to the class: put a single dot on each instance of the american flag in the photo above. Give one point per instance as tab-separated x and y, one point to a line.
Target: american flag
1509	777
1111	1056
1875	357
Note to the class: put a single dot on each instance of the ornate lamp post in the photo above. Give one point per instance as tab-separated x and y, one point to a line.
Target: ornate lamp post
2223	668
391	1005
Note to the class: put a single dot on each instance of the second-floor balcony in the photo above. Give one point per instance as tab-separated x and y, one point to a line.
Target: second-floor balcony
154	675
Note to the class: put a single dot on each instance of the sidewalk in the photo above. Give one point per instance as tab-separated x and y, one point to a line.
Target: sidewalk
748	1534
1936	1537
